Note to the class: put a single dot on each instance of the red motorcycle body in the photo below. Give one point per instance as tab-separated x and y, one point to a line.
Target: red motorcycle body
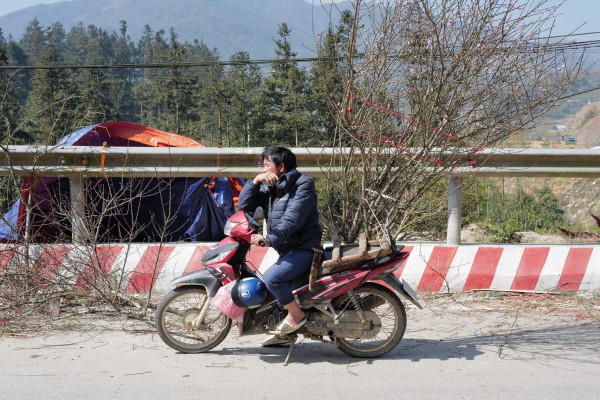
226	262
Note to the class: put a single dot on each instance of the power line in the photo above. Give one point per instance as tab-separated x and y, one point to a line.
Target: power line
588	45
175	65
571	34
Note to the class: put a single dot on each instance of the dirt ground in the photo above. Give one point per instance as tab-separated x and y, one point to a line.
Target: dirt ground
560	306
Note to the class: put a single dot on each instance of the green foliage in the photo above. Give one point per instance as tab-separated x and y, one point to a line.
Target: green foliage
8	105
503	232
501	212
333	214
538	211
242	85
94	88
9	192
433	215
283	114
505	213
233	106
326	81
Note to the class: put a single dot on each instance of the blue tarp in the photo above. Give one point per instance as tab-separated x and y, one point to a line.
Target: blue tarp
126	209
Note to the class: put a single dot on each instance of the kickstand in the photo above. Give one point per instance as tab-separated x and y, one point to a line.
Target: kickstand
292	343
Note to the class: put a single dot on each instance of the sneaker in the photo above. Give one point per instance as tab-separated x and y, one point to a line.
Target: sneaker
274	340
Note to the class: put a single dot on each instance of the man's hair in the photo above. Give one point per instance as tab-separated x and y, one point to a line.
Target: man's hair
279	155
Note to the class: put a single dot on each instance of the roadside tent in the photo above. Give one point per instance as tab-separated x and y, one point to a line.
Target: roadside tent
126	209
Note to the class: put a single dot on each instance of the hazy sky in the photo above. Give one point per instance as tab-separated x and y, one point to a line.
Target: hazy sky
575	12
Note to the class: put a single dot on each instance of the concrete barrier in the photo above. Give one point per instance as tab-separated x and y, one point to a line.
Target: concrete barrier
429	267
434	267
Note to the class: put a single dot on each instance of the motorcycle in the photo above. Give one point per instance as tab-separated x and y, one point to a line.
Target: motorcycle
349	300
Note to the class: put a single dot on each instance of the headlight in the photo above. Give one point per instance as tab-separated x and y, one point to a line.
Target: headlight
219	253
229	226
217	258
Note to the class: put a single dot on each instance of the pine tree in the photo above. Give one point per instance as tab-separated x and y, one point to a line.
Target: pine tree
50	103
147	92
91	46
174	89
122	83
282	112
20	80
327	79
33	41
211	96
8	105
9	187
243	83
213	102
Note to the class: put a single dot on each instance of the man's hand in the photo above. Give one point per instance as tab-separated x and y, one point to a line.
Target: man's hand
267	177
259	240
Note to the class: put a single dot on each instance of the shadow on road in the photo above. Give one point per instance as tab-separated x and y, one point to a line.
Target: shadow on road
570	343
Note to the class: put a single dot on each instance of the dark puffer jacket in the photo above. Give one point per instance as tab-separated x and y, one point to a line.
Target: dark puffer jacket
291	210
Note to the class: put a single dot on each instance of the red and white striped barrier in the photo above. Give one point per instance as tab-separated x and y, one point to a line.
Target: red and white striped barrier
432	267
429	267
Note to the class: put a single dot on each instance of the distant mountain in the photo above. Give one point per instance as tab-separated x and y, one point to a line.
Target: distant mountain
228	25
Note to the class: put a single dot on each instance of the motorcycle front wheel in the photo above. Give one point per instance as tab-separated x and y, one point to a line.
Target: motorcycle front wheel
392	321
178	324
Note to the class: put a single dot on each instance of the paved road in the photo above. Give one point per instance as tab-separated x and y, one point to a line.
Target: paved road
466	348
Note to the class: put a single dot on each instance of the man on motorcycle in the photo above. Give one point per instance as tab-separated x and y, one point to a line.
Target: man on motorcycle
293	227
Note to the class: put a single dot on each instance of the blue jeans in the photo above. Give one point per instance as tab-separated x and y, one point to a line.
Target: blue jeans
289	267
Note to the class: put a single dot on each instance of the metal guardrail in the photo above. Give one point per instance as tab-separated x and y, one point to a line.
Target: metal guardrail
514	162
146	161
243	162
76	162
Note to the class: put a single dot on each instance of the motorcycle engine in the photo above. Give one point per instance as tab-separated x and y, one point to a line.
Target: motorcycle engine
349	325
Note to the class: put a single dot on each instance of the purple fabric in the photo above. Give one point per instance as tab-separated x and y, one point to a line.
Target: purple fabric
179	209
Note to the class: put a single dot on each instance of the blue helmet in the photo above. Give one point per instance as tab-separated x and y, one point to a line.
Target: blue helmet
249	292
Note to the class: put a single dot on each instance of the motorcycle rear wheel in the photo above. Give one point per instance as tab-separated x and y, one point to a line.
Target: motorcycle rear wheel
175	314
392	315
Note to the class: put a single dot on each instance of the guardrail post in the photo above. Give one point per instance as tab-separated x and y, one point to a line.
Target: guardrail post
78	230
454	210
